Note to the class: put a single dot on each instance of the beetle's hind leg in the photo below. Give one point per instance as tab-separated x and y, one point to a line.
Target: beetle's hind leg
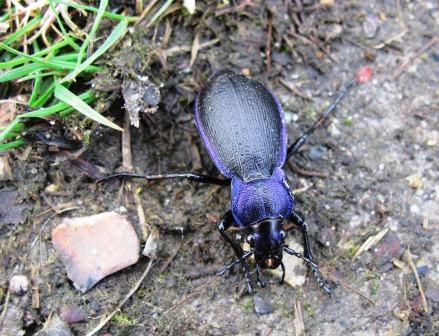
225	223
307	251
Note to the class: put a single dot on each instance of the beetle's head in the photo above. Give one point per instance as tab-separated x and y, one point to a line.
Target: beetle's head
266	238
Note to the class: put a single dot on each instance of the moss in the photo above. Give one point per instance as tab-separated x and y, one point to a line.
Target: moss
123	319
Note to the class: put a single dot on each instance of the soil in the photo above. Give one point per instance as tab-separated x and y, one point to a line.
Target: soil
383	133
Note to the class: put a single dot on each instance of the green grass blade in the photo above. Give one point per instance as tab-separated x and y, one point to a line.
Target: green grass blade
23	30
93	9
68	97
11	144
13	126
97	21
115	35
159	13
20	60
47	92
35	90
56	108
20	72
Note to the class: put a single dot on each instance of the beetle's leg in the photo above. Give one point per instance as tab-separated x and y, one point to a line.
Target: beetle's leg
259	276
300	141
295	217
283	273
226	222
190	176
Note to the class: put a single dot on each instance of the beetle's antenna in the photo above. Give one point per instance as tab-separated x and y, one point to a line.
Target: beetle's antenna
245	256
301	256
189	176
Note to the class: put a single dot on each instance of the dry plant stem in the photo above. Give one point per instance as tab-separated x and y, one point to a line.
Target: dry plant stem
294	90
299	325
195	48
191	295
410	60
306	173
120	305
127	157
141	214
412	265
268	46
146	11
178	50
344	285
5	306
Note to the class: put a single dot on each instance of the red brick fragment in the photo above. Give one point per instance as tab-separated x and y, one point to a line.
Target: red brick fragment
95	246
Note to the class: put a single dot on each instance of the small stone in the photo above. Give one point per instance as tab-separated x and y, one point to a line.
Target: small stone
261	306
151	244
388	249
19	284
72	314
95	246
432	294
295	268
11	212
55	327
316	152
5	169
326	237
370	26
415	181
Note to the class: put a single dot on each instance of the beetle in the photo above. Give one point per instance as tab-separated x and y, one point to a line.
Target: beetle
242	125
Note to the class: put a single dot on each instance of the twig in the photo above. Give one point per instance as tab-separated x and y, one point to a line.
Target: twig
344	285
127	157
296	169
195	48
234	9
119	306
412	265
294	89
299	326
268	45
47	222
371	241
5	306
177	50
145	12
411	59
170	258
190	296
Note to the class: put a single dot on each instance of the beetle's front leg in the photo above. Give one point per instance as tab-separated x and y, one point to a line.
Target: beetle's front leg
295	217
226	222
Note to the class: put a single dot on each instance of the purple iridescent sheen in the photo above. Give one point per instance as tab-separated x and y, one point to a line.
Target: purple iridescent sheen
243	128
261	199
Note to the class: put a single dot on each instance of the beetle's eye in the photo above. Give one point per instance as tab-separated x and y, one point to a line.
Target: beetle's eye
283	234
250	239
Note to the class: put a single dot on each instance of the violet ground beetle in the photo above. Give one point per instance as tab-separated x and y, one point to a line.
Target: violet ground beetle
243	128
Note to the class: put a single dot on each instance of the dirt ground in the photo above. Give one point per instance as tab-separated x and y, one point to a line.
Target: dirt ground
380	152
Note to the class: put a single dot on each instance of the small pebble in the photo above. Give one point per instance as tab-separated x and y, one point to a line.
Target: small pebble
72	314
19	284
5	169
261	306
432	294
370	26
316	152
